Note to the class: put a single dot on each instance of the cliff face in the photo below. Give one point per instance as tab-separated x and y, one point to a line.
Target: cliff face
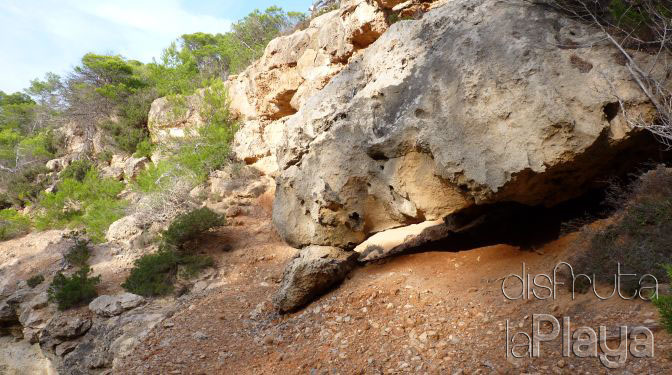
383	114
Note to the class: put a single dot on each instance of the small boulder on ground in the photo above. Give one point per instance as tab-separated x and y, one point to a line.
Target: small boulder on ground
109	306
311	273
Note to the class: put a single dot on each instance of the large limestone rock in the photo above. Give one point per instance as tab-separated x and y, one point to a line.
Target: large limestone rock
480	101
292	69
312	272
108	306
174	116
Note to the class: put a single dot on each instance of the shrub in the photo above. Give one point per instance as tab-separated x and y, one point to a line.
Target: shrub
664	305
5	201
77	170
35	281
91	203
25	186
144	149
193	264
75	290
195	157
79	253
153	274
12	224
639	236
188	226
105	157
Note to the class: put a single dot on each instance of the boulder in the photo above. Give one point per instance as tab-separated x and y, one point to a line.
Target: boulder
63	327
170	117
125	231
114	305
475	103
134	166
311	273
55	165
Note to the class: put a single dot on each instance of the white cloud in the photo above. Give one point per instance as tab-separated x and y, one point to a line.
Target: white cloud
52	35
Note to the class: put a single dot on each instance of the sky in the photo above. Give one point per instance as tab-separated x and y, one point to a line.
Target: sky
40	36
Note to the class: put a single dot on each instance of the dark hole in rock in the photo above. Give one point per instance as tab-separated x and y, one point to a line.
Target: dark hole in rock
514	224
611	110
527	227
378	156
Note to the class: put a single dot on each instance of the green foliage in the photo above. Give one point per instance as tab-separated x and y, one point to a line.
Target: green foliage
130	127
75	290
188	226
638	238
393	18
196	59
79	253
153	274
91	203
12	224
22	141
77	170
194	264
325	10
105	157
664	305
35	281
145	148
196	156
626	15
113	76
25	186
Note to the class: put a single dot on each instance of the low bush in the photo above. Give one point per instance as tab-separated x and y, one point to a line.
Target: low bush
25	186
91	203
664	305
75	290
188	226
144	148
79	253
639	236
77	170
192	265
154	274
105	157
12	224
35	281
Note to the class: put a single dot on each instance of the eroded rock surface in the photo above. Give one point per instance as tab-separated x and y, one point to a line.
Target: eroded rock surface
108	306
477	102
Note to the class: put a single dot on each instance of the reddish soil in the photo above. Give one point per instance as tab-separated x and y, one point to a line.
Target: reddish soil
436	312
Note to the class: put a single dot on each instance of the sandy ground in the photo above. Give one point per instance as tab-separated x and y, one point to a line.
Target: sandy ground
438	312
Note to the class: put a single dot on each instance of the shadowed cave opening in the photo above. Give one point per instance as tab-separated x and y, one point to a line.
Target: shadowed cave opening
516	224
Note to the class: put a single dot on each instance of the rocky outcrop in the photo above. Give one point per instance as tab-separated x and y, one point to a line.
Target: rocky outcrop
172	116
311	273
292	69
477	102
125	167
371	124
109	306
